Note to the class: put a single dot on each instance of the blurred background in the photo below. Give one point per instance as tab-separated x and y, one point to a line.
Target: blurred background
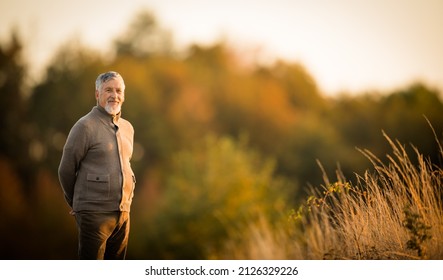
235	107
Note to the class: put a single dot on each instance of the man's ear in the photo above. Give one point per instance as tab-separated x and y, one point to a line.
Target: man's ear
96	95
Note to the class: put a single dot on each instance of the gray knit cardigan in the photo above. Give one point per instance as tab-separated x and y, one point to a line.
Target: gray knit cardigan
95	170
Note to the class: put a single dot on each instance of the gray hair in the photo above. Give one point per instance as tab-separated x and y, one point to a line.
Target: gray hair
104	77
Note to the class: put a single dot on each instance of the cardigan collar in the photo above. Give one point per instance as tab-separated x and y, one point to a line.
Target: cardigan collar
105	114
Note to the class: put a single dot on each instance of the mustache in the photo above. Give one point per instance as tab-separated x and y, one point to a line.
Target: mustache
114	100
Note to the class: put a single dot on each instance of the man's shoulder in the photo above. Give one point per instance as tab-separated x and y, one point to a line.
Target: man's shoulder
123	120
86	120
126	123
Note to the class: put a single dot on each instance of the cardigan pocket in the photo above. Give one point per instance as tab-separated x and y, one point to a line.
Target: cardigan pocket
98	186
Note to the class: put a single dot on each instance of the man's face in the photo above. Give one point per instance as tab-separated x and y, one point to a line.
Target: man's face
111	95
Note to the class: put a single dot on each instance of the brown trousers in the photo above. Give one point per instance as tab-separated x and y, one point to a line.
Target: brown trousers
102	235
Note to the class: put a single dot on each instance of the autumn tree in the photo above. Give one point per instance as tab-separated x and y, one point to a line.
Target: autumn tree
15	129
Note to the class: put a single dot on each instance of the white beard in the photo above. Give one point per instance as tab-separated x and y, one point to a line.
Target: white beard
113	109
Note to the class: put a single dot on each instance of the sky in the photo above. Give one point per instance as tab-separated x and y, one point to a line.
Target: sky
346	45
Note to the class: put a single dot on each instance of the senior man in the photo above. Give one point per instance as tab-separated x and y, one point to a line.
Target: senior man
95	173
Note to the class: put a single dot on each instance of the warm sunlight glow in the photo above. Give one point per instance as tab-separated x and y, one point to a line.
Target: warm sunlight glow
346	45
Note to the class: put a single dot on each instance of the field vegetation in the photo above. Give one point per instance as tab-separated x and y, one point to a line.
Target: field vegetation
392	212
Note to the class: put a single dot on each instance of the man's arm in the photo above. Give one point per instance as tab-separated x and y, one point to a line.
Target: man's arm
73	152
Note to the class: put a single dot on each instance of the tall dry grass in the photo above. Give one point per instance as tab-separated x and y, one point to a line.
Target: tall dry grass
394	211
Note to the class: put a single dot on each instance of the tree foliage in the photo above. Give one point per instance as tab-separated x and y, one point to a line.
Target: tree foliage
216	185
